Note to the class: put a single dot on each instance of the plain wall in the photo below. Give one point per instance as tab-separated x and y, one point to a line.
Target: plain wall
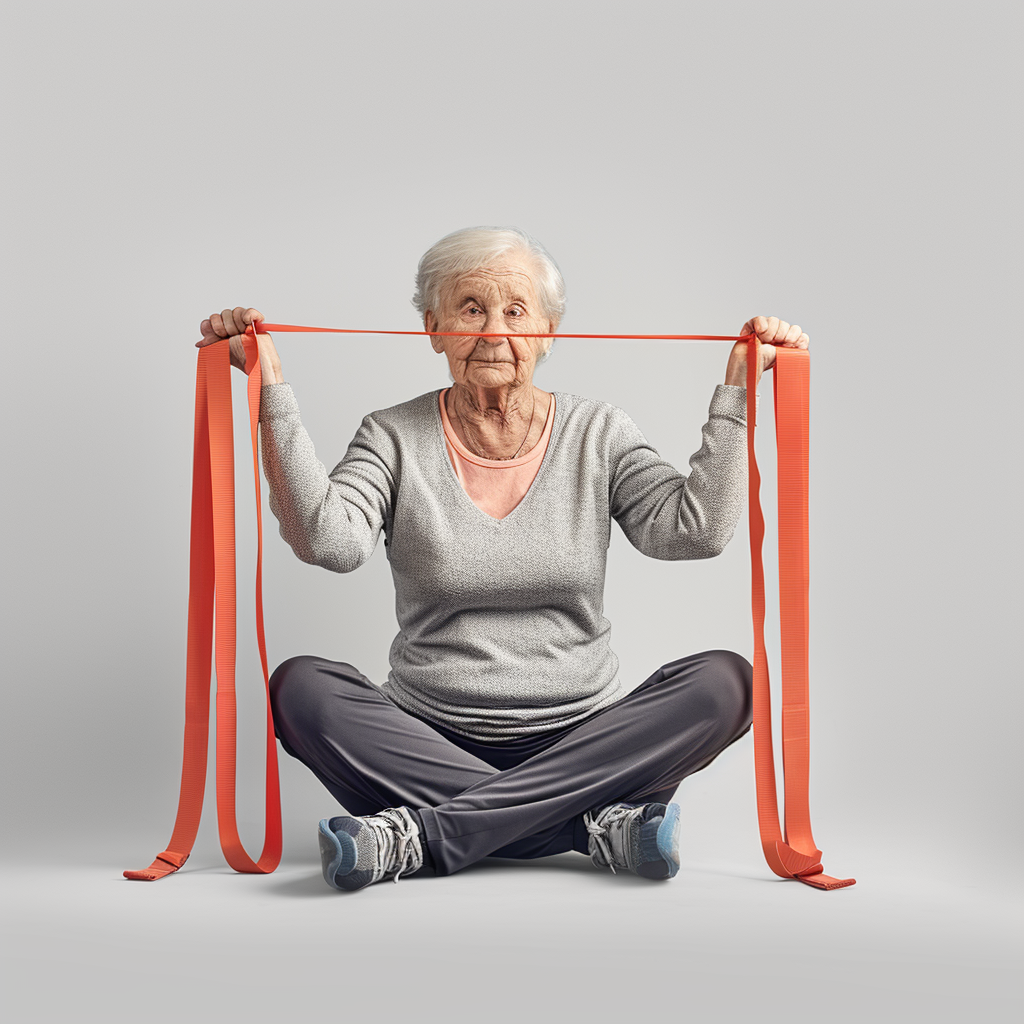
847	167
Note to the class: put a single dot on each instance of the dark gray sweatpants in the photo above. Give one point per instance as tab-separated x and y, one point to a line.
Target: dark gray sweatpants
519	798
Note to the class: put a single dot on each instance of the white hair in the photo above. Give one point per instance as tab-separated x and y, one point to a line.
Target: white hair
471	248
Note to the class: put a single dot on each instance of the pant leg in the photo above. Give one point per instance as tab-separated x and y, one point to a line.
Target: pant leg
367	751
371	754
503	754
637	749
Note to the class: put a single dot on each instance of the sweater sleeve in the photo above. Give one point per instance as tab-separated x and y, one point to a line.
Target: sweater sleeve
671	515
329	519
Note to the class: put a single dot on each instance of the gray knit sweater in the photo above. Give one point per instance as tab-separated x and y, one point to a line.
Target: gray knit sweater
501	624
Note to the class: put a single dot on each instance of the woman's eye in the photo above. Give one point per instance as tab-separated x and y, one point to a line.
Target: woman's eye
515	311
474	309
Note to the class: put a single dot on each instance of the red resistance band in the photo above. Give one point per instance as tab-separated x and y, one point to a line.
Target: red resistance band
211	609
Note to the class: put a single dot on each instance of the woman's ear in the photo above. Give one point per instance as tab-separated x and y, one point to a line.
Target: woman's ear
552	329
430	325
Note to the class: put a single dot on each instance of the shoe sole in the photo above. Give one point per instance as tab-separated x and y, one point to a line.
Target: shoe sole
668	839
337	854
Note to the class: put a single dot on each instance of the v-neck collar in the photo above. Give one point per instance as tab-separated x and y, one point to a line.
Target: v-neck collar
554	416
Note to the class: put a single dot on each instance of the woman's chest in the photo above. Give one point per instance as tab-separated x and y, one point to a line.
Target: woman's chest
554	539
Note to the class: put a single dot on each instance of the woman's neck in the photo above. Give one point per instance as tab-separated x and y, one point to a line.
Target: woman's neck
500	424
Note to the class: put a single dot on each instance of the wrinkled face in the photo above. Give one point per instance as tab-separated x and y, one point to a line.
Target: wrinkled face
496	299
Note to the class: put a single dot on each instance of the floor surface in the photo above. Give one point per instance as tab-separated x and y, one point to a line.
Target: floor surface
555	939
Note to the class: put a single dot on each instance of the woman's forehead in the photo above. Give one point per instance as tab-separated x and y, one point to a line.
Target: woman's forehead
509	274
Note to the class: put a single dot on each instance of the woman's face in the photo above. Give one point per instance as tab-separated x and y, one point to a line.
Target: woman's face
496	299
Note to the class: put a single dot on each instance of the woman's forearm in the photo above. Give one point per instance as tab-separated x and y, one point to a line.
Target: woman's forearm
270	362
271	372
736	371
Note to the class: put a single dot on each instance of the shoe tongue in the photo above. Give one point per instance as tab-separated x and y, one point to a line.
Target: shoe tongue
653	811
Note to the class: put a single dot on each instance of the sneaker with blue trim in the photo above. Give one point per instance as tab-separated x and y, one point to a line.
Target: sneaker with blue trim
641	838
356	851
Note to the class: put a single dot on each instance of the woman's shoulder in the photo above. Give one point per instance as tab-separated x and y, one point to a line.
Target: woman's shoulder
406	429
409	411
585	414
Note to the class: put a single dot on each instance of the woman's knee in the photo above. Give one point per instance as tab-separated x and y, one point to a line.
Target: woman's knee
734	676
303	688
727	681
293	688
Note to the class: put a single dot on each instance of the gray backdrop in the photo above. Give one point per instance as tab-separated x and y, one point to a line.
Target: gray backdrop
846	167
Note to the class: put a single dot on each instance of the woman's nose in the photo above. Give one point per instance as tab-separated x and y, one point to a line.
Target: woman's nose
494	324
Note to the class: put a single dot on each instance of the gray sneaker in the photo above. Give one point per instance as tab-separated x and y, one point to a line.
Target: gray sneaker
357	851
641	838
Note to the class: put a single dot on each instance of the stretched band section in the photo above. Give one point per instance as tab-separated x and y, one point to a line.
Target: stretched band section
262	327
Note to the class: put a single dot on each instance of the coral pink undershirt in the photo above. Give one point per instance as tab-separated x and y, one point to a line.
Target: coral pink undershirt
495	486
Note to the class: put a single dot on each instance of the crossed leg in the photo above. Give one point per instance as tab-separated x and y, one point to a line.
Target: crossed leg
371	754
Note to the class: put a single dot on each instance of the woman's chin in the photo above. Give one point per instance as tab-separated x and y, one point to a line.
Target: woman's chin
491	376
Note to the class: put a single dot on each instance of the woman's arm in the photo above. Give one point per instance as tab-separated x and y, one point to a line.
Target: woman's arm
670	515
331	520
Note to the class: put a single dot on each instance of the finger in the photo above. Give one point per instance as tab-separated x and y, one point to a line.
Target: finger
759	325
236	315
803	341
217	322
247	317
792	336
239	316
780	332
771	326
209	335
228	318
252	316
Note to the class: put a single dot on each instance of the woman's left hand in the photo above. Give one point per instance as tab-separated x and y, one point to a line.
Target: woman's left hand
770	331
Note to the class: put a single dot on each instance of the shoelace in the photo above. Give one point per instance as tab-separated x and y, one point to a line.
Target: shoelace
398	849
598	826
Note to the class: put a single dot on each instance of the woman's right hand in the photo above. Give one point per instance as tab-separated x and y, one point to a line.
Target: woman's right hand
231	324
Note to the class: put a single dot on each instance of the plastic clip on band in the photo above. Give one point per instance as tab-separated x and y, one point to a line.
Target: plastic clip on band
790	854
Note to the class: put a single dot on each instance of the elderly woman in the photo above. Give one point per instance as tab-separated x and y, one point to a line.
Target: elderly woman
503	728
